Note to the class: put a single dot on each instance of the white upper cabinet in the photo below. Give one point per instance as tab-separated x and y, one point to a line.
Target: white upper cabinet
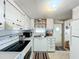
75	13
15	18
12	17
50	23
32	23
2	21
27	22
11	12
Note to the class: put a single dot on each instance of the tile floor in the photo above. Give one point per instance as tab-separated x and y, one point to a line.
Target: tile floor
59	55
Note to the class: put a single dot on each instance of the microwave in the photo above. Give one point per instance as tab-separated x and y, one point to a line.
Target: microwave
27	34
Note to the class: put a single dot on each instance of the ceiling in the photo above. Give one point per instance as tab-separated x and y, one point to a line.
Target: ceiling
57	9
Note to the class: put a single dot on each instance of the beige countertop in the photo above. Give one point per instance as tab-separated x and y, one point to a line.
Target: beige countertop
59	55
8	55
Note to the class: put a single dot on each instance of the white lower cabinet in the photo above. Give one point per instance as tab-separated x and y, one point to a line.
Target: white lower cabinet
43	44
36	44
40	44
51	44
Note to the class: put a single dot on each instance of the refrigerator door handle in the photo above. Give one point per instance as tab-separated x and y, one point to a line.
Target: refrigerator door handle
75	36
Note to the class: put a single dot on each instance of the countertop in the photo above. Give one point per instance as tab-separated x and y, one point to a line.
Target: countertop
8	55
59	55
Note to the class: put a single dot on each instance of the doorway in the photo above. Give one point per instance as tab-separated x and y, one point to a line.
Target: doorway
58	34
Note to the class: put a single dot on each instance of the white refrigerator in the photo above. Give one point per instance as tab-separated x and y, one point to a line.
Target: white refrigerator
74	42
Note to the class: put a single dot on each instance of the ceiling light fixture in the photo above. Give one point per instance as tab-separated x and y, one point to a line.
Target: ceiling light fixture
50	5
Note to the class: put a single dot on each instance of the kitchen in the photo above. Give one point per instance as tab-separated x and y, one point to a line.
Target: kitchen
31	30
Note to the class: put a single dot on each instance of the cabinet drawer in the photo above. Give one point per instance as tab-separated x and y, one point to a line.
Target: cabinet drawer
51	49
51	41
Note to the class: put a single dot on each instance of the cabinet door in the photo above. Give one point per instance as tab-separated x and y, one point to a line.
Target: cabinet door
43	44
11	16
2	20
51	44
14	19
40	44
37	43
11	11
27	23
